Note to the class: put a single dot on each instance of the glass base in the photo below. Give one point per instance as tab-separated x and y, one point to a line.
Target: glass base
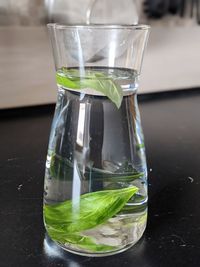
100	254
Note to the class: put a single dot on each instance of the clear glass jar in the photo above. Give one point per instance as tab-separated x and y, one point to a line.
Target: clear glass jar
95	192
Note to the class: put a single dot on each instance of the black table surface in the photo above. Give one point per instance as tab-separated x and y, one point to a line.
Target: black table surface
171	124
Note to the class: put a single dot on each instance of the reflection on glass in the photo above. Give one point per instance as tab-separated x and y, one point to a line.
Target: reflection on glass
54	252
51	249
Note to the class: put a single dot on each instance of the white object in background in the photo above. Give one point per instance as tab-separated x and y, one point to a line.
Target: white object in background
112	12
93	11
67	11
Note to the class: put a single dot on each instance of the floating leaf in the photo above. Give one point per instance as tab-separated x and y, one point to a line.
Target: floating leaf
98	81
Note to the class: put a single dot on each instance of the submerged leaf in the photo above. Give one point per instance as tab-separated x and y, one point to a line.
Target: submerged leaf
91	210
65	221
78	240
61	168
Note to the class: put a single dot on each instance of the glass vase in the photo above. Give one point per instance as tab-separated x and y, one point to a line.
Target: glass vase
95	190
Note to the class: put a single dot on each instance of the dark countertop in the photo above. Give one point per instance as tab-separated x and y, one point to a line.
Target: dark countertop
171	124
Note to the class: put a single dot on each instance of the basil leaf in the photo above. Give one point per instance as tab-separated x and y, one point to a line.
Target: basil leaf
78	240
61	168
98	81
70	218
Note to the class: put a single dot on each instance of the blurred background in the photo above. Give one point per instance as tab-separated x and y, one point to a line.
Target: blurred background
27	71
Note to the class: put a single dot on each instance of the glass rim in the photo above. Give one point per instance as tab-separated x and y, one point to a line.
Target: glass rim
100	26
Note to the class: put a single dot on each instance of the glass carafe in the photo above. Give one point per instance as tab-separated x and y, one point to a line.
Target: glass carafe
95	191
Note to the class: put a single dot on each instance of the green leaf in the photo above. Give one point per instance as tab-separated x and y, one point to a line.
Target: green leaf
65	221
140	146
98	81
89	211
78	240
61	168
66	82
